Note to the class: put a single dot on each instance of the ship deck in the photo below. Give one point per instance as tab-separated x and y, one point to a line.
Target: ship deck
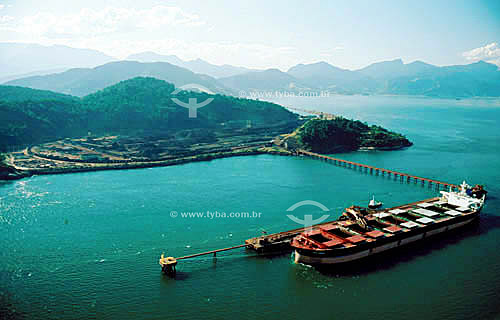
429	216
279	242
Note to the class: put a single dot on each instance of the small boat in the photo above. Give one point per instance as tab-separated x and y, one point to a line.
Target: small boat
374	204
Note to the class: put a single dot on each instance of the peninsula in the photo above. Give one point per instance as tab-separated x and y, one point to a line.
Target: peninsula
136	124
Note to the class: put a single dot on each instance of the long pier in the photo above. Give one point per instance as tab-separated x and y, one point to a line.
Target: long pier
214	252
372	169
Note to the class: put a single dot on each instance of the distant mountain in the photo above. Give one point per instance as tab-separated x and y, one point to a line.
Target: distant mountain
271	79
395	77
197	65
82	81
396	68
95	72
476	79
135	106
225	70
19	58
322	75
31	74
150	56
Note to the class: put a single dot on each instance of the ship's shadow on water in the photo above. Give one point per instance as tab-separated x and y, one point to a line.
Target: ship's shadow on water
390	259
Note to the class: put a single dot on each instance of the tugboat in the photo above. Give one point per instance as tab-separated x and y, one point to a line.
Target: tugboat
374	204
361	232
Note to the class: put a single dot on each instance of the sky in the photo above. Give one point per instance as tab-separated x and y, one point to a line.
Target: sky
265	34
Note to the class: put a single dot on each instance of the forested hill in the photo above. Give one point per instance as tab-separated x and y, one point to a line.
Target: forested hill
146	103
341	134
135	106
15	93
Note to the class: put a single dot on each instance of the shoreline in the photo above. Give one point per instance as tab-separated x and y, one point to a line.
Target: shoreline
90	167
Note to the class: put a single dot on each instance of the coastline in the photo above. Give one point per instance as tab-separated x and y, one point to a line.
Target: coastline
20	173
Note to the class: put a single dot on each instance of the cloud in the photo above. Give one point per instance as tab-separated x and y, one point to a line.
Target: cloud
2	6
5	20
120	32
109	20
489	53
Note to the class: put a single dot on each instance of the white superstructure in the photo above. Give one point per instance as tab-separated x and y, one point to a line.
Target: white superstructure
463	198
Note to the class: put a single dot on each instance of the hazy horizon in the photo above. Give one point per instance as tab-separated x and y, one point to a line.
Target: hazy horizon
264	35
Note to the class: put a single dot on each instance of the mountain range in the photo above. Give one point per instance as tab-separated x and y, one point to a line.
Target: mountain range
83	81
18	59
197	65
388	77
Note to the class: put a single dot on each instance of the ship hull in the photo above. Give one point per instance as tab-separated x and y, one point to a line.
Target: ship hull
338	256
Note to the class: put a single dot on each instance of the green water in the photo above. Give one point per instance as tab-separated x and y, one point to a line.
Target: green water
87	245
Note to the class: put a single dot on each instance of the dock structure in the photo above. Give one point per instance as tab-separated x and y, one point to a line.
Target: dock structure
168	264
214	252
321	114
374	170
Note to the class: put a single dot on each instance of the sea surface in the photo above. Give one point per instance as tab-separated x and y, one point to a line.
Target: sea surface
86	245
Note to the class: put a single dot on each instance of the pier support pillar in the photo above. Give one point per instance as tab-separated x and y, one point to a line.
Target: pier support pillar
169	270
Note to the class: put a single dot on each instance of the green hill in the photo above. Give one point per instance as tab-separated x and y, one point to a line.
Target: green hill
340	134
136	106
27	122
146	104
15	93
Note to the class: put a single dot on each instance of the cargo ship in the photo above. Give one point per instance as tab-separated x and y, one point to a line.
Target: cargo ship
360	232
